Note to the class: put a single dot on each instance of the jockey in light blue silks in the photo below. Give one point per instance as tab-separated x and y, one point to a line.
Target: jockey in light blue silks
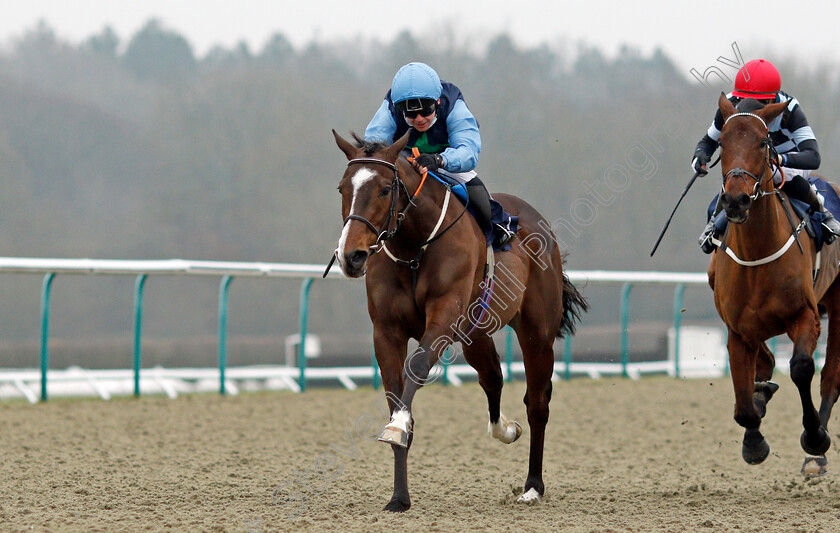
442	128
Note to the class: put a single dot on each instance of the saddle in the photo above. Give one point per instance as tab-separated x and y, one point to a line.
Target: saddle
500	220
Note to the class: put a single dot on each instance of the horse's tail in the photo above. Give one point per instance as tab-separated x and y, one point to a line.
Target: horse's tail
573	305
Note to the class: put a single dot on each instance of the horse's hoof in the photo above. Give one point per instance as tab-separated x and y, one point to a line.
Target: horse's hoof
763	391
397	506
507	432
755	448
393	435
530	497
814	466
817	446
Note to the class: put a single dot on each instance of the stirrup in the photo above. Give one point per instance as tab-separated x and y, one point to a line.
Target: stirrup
831	224
503	237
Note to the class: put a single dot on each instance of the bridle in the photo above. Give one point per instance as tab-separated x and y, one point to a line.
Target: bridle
769	160
758	192
383	233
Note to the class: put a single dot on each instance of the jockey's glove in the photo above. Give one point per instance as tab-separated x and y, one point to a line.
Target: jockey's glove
698	164
430	161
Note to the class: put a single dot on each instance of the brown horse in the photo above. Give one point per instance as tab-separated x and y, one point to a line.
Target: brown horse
763	287
424	265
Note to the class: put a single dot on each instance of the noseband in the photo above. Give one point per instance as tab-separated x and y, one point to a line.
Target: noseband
739	172
383	233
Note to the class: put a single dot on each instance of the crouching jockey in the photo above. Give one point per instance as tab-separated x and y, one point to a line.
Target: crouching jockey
445	132
792	137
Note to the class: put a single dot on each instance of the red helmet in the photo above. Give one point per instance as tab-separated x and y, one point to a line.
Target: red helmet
757	79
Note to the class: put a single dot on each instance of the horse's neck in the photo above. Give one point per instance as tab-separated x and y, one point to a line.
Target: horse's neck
421	218
765	231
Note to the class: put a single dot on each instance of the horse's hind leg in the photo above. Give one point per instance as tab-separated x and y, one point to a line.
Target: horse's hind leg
538	355
804	333
742	365
817	465
484	358
764	388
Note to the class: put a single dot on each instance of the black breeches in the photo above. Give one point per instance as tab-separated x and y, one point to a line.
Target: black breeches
798	188
479	202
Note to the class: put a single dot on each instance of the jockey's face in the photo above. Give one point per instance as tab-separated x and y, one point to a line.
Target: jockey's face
419	122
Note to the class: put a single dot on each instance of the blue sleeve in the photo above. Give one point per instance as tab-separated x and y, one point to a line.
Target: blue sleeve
382	126
464	139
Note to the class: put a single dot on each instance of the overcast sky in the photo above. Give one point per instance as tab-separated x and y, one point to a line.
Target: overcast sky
694	34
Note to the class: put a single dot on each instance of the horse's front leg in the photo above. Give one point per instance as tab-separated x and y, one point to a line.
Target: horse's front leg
415	372
390	354
742	365
804	333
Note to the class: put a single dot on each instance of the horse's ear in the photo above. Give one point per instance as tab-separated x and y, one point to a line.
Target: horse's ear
769	112
394	150
725	106
349	150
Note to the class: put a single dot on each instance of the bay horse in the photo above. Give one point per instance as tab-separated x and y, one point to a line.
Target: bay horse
424	266
765	288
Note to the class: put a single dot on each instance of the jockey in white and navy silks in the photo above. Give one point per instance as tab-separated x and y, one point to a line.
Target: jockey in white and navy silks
441	127
790	133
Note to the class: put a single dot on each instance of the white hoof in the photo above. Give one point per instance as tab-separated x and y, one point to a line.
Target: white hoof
505	430
532	496
814	466
396	432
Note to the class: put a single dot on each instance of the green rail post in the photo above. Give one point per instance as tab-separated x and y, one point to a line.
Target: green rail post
304	316
567	356
678	300
375	366
46	285
138	327
444	362
625	319
223	305
509	352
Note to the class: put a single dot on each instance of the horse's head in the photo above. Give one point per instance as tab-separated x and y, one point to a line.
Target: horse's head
370	200
745	154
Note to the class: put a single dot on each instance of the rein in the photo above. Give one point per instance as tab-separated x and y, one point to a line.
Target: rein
384	233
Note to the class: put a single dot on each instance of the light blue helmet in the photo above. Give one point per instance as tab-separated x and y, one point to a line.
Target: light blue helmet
415	80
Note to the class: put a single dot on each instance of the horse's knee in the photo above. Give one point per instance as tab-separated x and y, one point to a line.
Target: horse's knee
801	369
537	407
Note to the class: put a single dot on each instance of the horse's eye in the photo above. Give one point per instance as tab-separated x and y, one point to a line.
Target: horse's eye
385	192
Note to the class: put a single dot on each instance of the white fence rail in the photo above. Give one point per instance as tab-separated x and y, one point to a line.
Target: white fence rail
105	383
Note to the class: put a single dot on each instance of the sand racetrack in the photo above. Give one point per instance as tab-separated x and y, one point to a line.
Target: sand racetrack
658	454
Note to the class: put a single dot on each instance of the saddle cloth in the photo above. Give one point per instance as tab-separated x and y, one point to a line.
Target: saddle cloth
498	215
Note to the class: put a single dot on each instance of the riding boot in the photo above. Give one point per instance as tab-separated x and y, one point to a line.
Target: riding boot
799	189
705	239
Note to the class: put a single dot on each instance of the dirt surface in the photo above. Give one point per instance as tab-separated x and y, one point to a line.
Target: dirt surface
654	455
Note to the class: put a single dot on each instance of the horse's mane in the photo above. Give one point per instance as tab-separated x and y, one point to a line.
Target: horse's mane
369	147
748	105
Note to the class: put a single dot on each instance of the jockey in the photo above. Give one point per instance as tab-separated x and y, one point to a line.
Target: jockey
442	128
792	137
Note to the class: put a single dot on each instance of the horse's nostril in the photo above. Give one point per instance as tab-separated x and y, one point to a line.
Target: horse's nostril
744	200
357	258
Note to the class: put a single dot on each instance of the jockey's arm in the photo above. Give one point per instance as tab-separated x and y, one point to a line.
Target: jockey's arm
806	154
709	143
382	126
464	140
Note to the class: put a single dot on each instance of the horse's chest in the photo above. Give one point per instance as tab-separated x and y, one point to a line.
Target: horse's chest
753	313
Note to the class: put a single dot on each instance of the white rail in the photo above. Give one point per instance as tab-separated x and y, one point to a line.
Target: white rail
172	381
